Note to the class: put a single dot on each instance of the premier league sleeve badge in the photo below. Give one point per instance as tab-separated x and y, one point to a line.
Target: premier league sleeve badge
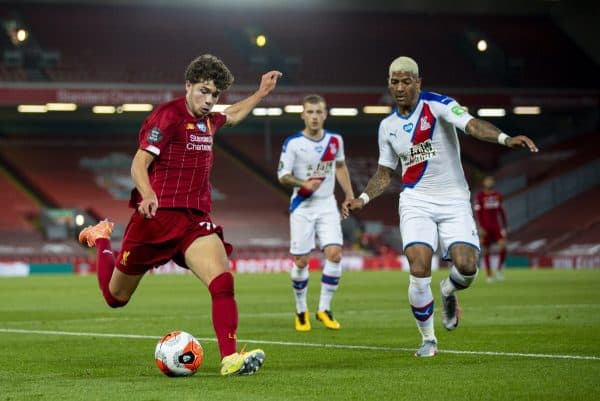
155	136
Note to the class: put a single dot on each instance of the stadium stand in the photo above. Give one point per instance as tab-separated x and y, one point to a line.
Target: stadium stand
519	57
53	166
253	212
108	44
32	247
16	206
12	74
96	178
517	173
575	224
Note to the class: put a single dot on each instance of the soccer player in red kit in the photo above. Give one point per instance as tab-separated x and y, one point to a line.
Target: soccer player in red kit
491	220
172	202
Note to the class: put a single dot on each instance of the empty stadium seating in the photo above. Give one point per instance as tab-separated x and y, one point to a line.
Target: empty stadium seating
31	247
327	48
16	206
52	166
554	160
252	211
576	222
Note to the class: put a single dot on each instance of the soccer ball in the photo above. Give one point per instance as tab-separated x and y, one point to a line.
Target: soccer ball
178	354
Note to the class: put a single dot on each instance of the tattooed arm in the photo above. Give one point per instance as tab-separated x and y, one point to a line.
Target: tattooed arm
378	183
375	187
292	181
488	132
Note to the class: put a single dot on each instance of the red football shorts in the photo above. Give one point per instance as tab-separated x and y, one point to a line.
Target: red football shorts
491	236
149	243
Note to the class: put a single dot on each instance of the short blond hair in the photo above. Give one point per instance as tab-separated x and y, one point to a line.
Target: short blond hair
404	64
314	99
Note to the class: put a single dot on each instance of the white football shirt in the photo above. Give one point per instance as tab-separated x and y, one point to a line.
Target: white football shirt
426	144
305	158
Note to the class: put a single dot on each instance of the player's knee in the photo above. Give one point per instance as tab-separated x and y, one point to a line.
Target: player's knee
301	261
419	269
466	264
116	301
334	255
419	266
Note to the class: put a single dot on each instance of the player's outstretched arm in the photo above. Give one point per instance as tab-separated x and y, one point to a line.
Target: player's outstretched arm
486	131
238	111
375	187
139	173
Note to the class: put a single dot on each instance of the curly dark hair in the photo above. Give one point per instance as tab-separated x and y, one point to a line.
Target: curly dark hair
208	67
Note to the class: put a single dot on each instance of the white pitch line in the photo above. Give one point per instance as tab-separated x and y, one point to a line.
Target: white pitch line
312	345
369	312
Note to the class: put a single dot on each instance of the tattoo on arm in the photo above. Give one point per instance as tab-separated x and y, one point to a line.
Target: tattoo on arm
379	182
482	130
291	181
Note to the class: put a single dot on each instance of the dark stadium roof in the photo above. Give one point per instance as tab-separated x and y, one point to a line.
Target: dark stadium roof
443	6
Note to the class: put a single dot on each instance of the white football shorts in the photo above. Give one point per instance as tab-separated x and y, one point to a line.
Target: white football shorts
318	217
446	224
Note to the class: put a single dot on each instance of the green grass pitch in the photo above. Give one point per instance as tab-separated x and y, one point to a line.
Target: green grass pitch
536	312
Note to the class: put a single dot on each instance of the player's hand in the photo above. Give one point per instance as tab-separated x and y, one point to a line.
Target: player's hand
352	204
521	141
345	207
503	232
148	206
268	82
312	184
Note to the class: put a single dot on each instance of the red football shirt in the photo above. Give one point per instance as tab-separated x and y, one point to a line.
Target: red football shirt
183	146
488	207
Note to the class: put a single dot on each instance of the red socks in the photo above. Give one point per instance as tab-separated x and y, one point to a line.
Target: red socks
224	313
486	261
224	308
502	258
105	264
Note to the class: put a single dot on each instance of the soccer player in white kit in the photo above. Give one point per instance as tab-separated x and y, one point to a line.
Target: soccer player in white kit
434	204
310	162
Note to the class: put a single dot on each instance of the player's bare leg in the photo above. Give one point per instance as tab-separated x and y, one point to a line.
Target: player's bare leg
299	275
462	274
501	258
332	271
207	259
116	290
420	296
122	285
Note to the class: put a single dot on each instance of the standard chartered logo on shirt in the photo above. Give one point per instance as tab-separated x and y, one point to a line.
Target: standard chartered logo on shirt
199	142
458	110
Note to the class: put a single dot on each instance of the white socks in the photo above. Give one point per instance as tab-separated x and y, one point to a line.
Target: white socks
300	286
421	303
456	281
329	283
